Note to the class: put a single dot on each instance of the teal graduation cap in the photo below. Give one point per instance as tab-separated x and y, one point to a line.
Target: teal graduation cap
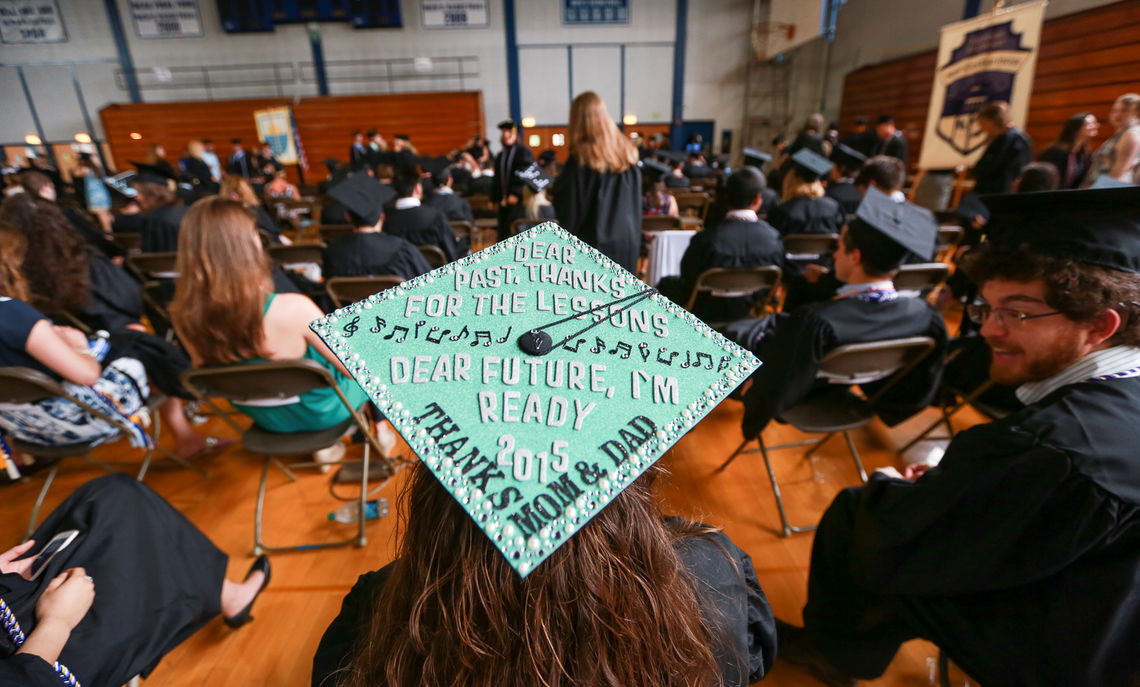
536	379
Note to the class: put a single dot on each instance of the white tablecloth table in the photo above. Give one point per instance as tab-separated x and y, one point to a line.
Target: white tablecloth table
666	248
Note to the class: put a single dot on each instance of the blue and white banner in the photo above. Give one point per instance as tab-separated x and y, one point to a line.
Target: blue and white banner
275	127
980	60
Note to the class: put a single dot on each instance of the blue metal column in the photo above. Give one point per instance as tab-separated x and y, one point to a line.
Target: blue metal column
679	72
515	99
125	62
318	59
570	72
621	111
88	125
35	115
972	8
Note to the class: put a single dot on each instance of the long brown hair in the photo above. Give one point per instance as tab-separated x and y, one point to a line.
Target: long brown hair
794	186
12	247
57	261
595	139
613	606
223	275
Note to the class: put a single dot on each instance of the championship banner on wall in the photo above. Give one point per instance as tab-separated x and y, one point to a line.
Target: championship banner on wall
275	127
980	60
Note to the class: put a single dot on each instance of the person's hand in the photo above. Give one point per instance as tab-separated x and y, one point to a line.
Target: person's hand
9	564
913	472
812	273
74	338
67	598
512	199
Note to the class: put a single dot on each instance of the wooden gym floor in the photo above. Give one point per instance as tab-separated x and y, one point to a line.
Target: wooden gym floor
307	587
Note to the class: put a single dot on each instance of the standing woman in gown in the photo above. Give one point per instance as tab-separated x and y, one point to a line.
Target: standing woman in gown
598	195
1071	153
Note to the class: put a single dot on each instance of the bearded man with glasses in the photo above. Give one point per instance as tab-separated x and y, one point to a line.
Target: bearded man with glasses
1019	554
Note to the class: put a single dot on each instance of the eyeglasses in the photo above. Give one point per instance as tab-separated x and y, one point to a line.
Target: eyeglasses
1003	317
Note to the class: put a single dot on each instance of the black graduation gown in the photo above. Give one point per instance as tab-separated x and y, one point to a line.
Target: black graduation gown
602	209
769	201
1019	554
422	226
792	346
365	254
453	206
733	243
93	235
895	147
116	297
504	183
803	215
731	598
845	193
157	580
1002	162
160	229
128	224
198	174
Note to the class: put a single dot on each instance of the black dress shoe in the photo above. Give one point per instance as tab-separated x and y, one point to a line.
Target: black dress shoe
794	645
243	616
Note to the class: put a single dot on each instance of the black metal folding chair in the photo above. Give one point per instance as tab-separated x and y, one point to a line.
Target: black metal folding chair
278	382
737	283
834	410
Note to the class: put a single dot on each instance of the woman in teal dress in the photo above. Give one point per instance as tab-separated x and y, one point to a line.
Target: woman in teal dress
225	312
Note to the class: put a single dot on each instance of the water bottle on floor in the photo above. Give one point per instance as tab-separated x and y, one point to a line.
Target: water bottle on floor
376	508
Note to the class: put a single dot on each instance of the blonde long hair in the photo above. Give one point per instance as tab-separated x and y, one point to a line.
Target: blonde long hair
595	139
223	276
794	187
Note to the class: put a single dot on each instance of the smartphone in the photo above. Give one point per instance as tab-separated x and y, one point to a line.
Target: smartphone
58	543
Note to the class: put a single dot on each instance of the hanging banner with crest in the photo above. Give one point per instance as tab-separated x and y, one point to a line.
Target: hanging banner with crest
980	60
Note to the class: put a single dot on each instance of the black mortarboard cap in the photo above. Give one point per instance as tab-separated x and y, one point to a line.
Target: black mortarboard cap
655	170
971	206
402	137
1092	226
810	166
152	174
885	230
848	157
331	164
508	123
363	196
756	158
235	141
534	177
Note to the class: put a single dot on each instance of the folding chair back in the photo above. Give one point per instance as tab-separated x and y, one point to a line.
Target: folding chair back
693	203
736	282
345	290
862	363
949	236
462	229
809	245
332	232
921	277
434	256
297	253
659	223
274	382
151	266
25	385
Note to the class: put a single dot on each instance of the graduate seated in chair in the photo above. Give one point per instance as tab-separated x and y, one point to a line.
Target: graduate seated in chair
1019	553
135	581
369	250
841	187
419	224
444	198
741	240
867	308
804	209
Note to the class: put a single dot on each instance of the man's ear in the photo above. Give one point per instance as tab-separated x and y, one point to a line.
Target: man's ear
1104	326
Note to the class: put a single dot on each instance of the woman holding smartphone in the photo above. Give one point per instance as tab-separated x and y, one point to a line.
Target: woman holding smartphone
136	580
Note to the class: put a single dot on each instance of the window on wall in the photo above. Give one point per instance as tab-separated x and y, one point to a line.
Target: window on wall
534	140
558	140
